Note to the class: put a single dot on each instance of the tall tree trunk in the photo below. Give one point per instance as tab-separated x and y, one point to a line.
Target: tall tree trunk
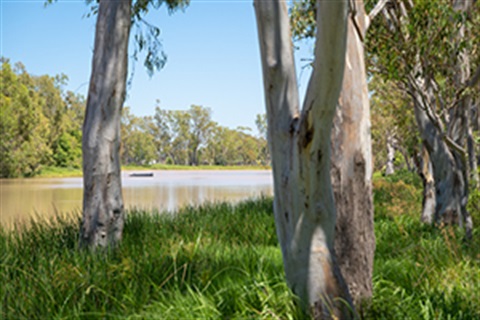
351	169
448	172
429	199
103	212
300	147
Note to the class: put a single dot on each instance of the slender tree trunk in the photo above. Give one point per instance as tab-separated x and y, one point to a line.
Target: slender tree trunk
352	169
390	169
300	148
103	212
429	199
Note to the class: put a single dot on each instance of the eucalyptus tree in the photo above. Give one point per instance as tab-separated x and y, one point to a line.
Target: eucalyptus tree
430	66
201	126
103	209
299	142
351	166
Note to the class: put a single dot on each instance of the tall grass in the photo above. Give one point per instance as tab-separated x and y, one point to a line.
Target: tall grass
221	261
420	271
216	261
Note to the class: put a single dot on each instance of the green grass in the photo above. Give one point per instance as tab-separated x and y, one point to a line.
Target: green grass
216	261
222	261
57	172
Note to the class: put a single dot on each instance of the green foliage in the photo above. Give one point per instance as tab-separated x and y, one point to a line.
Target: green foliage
396	48
40	124
41	127
23	124
303	19
192	137
473	205
391	115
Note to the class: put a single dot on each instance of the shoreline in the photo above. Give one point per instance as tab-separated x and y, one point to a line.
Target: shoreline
56	172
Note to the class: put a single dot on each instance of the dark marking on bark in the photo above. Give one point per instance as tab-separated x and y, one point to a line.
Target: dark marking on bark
286	216
319	156
307	138
294	125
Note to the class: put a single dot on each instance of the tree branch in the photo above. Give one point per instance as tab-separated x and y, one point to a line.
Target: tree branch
375	11
473	81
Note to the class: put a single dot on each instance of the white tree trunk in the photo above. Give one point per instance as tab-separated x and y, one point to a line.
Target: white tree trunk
351	168
429	198
390	169
300	148
103	212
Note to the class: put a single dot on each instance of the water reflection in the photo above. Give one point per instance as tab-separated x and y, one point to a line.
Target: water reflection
21	199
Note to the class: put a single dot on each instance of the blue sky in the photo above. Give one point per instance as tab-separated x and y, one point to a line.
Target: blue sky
212	50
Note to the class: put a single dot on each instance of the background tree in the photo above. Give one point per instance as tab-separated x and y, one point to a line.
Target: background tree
201	128
392	118
261	123
138	145
103	212
52	136
424	65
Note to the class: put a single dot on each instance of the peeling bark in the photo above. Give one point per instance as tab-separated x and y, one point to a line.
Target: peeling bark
351	169
300	148
103	211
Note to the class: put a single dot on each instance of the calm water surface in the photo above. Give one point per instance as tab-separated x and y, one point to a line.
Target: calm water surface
21	199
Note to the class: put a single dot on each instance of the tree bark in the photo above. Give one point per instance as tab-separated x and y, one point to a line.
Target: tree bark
429	199
103	211
390	168
448	171
300	147
351	169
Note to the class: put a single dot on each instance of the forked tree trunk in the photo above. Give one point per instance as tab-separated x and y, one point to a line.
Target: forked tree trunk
103	213
352	169
300	147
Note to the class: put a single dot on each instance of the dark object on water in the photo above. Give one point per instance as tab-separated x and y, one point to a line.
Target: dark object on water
141	174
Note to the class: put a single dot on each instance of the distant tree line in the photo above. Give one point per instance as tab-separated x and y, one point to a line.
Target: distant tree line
41	125
40	122
189	137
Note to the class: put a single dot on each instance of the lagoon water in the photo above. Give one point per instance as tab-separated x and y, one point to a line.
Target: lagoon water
21	199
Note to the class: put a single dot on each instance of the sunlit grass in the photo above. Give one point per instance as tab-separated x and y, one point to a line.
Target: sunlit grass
57	172
222	261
